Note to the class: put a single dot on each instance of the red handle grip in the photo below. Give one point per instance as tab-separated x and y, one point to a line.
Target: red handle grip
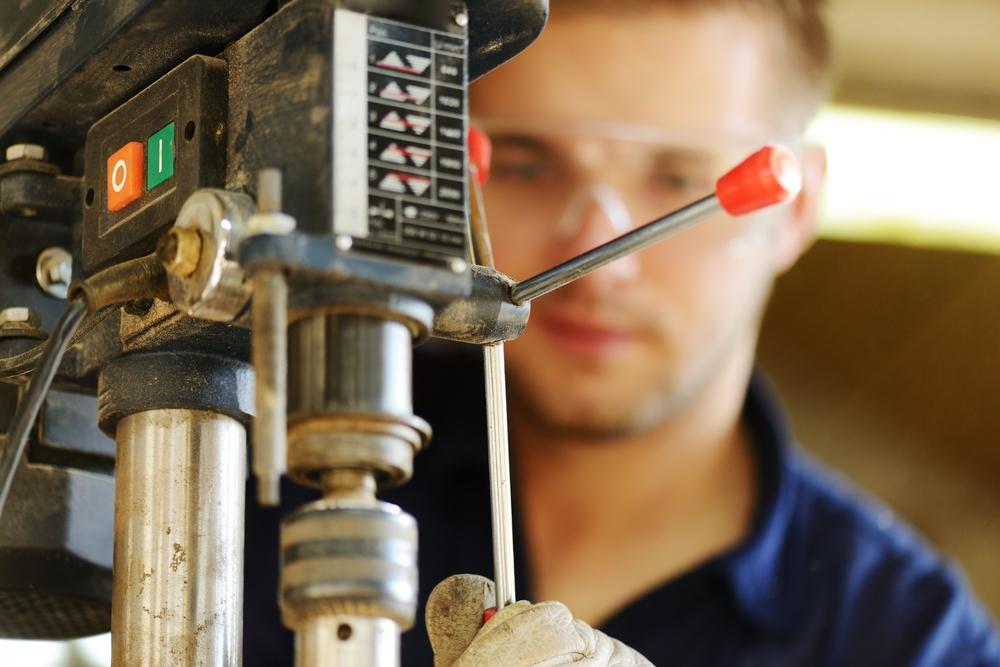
480	154
769	176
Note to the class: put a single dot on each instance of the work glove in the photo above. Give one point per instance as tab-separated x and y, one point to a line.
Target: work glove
519	635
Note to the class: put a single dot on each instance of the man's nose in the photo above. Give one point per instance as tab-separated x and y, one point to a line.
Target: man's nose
596	214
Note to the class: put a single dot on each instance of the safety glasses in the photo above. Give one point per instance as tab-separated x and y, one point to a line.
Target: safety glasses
549	176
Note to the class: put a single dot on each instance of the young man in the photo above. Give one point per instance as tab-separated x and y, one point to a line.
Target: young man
656	496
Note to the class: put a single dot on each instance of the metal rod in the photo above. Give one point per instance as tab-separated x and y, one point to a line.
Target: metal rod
496	423
347	641
270	361
637	239
177	596
482	247
499	456
34	395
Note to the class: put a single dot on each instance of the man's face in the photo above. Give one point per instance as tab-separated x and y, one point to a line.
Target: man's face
608	121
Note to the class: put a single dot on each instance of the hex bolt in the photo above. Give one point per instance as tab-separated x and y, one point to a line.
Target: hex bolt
54	271
19	317
25	152
180	251
461	19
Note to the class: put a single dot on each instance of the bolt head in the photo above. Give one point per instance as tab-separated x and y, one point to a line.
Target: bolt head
25	152
54	271
180	251
458	265
343	242
461	19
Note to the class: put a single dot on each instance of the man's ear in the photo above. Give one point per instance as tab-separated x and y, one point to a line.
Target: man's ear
797	230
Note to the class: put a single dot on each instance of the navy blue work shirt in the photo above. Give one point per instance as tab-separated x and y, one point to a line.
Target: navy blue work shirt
824	577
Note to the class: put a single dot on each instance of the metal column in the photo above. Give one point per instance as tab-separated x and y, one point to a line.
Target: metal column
347	640
178	563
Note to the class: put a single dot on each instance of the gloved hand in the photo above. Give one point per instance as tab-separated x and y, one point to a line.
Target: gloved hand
519	635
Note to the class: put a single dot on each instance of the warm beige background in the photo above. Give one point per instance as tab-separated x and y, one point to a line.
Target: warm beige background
888	359
929	55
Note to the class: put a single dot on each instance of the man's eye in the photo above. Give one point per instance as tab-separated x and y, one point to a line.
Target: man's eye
525	171
680	181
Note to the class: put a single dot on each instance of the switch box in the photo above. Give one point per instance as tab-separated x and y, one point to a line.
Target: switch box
150	154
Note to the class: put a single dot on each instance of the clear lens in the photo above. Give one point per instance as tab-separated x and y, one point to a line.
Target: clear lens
549	179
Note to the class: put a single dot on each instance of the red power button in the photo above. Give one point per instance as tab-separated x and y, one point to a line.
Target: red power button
125	176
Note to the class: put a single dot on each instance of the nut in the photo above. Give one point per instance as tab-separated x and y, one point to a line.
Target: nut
18	317
200	254
25	151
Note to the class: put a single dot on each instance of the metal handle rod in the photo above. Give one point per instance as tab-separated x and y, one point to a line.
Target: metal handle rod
637	239
496	422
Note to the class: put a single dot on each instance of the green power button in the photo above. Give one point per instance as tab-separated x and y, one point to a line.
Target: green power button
160	157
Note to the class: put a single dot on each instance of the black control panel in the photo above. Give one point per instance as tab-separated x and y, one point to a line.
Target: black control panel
146	157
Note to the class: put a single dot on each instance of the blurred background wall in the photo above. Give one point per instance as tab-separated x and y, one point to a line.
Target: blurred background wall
884	341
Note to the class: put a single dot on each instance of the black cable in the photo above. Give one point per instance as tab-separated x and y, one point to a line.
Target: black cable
139	278
25	362
34	395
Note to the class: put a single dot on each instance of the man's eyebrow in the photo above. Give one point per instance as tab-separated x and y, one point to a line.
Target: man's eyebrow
681	154
525	141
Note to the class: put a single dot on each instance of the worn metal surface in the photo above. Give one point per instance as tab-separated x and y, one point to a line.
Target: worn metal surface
270	362
349	362
178	587
349	557
347	641
316	257
350	398
487	316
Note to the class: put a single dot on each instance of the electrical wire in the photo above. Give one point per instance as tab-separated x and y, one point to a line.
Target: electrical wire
24	362
34	395
139	278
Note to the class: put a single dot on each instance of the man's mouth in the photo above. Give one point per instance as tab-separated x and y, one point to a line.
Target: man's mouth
585	337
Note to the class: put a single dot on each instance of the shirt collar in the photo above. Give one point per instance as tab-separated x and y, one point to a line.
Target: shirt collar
753	568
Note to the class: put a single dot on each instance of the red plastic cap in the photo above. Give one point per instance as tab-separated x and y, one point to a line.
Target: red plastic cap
769	176
488	614
480	154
